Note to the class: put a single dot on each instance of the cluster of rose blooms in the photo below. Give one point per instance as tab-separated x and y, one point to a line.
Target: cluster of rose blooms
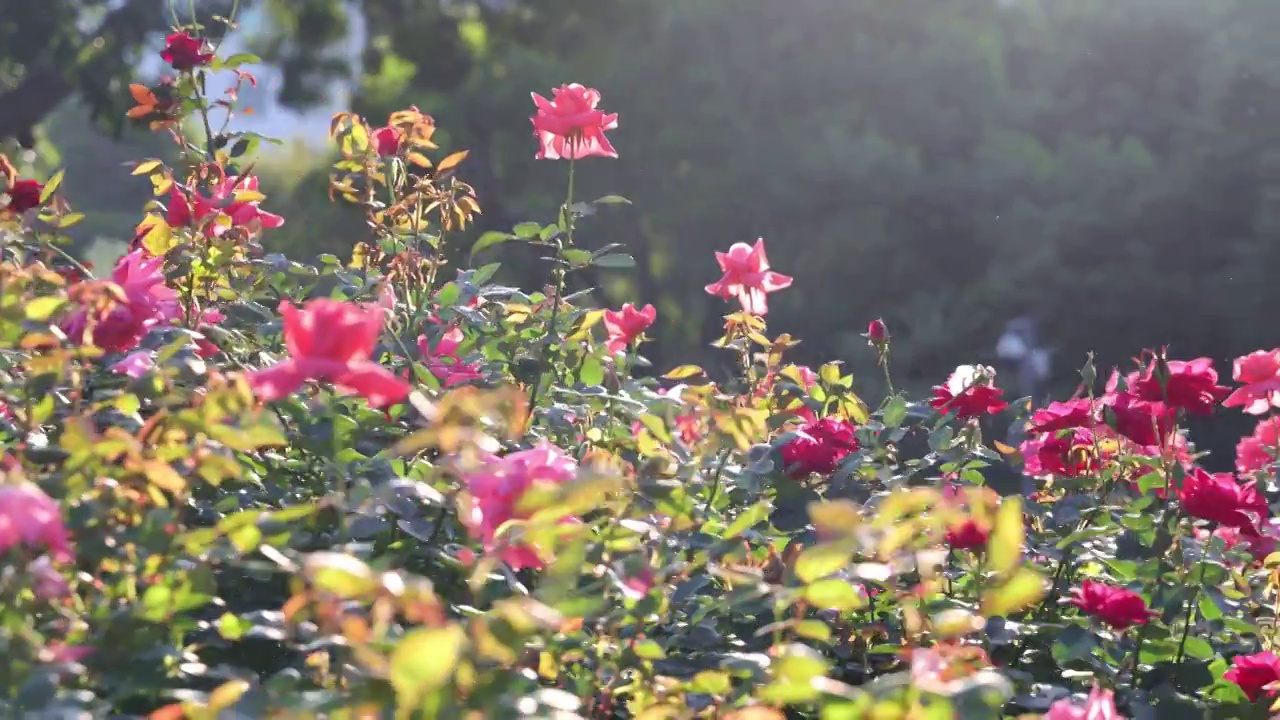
333	342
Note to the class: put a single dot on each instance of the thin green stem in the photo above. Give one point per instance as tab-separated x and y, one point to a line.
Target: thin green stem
715	481
884	364
557	293
1191	611
1137	654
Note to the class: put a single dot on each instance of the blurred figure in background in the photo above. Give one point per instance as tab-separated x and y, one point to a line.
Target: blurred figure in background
1020	351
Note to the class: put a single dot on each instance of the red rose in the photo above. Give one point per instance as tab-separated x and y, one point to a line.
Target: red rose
819	447
1253	673
1218	497
877	333
1190	385
968	535
1078	413
387	141
24	195
969	392
184	51
1064	453
1114	606
1143	421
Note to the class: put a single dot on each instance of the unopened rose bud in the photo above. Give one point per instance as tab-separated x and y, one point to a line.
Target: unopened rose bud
877	334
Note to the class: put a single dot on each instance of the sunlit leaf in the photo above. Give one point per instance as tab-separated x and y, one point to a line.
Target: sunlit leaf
425	660
683	372
1022	590
52	186
1004	547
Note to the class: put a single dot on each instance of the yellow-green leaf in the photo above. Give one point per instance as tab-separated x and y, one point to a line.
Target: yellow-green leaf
818	562
1004	548
227	694
43	308
343	575
424	660
146	167
1022	590
835	594
52	186
683	372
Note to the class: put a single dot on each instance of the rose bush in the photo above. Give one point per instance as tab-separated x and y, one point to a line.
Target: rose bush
381	486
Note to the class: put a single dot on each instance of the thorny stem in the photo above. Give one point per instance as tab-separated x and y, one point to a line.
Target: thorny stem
559	276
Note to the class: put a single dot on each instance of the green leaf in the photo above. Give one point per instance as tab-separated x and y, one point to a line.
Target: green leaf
342	575
1004	548
592	372
1150	481
813	630
611	200
829	374
820	561
448	295
650	650
424	660
527	230
835	594
895	412
576	257
683	372
43	308
243	146
239	59
69	220
491	239
1073	643
232	627
52	186
749	518
615	260
1019	592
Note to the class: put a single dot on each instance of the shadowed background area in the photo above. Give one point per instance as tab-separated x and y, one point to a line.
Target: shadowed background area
1108	169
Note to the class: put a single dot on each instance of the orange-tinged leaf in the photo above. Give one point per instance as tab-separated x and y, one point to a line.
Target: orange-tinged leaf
162	475
452	161
142	94
1005	449
169	712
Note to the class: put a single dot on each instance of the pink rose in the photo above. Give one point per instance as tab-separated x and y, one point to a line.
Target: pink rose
495	493
1259	372
747	277
330	341
569	127
627	324
30	518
